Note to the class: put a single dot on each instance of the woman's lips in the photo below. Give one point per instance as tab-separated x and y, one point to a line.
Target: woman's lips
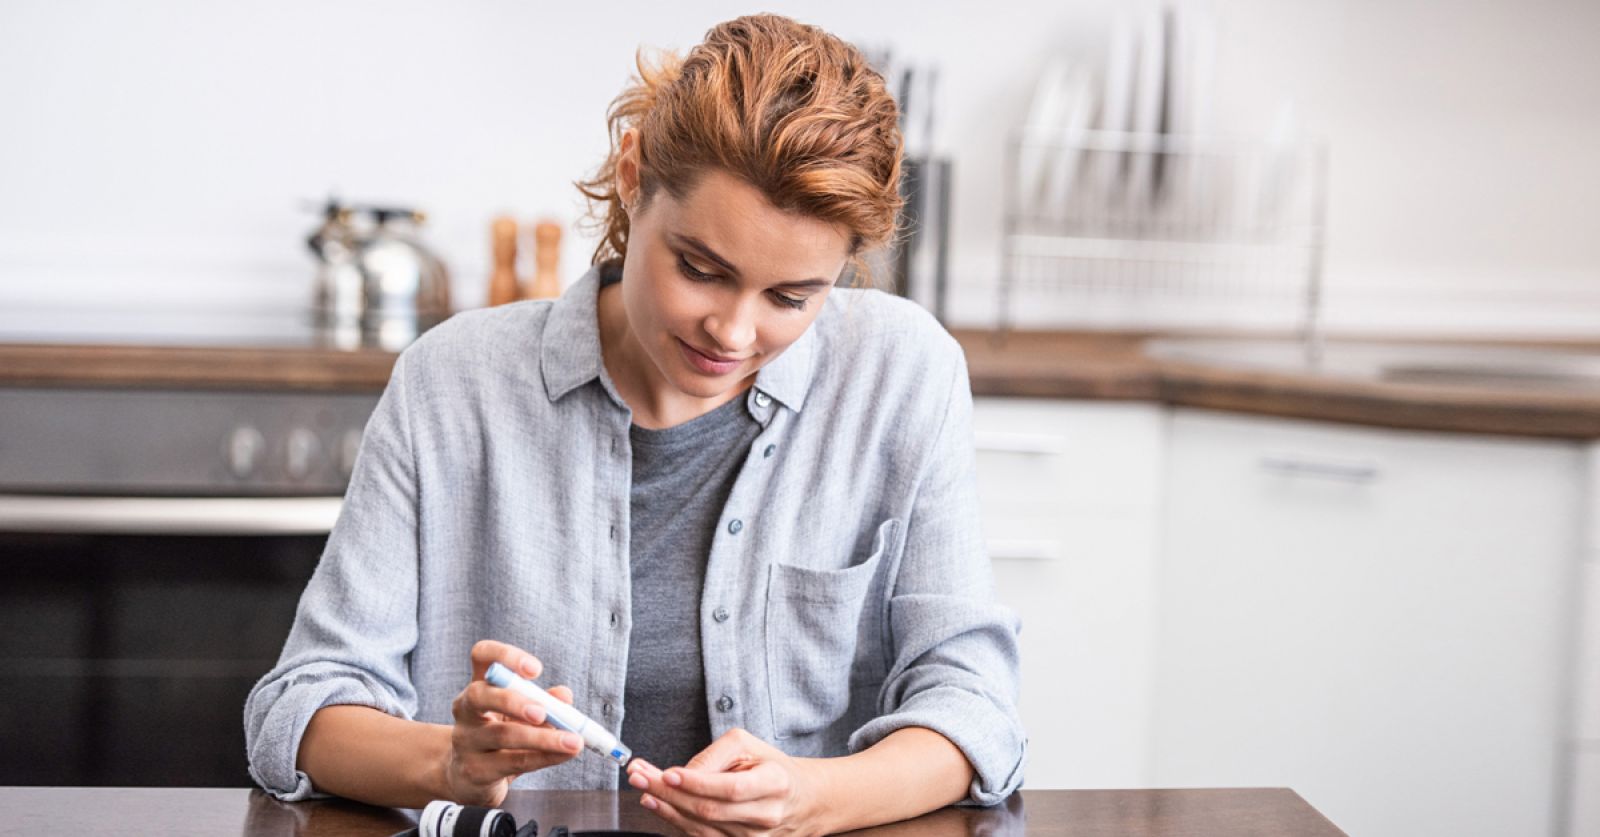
705	363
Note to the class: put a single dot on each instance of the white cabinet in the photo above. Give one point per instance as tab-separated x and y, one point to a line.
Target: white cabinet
1070	493
1583	792
1381	620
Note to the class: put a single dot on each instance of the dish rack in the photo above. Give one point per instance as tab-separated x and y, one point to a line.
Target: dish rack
1125	230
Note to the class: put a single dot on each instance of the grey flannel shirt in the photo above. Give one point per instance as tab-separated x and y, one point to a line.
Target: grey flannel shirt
847	593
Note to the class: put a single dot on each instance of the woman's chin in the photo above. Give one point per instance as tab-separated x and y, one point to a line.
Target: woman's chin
699	385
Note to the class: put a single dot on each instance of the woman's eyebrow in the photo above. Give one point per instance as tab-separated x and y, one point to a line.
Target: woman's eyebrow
709	254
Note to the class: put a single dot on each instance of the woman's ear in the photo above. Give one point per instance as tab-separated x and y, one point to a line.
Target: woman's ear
628	168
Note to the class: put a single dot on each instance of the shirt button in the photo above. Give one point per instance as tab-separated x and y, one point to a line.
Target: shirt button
606	709
735	526
614	619
720	614
724	703
762	399
766	454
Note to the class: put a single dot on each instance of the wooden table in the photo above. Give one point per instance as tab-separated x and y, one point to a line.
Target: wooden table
1232	812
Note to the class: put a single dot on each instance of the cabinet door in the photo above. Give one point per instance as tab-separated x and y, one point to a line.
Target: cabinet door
1376	619
1069	492
1585	793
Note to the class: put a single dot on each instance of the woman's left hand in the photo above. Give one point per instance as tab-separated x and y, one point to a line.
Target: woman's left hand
740	785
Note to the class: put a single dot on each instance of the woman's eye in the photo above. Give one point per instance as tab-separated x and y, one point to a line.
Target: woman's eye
796	302
693	272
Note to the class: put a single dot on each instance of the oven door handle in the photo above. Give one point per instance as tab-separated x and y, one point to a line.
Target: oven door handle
169	515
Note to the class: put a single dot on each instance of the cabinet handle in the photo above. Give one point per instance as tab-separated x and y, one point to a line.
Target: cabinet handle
170	515
1024	550
1291	465
1028	444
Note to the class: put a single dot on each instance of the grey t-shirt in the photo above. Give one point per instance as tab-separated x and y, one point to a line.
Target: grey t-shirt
681	479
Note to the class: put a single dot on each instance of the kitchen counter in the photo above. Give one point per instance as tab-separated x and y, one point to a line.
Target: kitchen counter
194	367
1100	365
1127	366
1086	813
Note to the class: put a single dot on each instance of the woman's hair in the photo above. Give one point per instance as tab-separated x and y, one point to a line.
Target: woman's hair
788	108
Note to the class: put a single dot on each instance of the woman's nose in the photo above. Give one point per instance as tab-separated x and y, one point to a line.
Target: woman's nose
733	329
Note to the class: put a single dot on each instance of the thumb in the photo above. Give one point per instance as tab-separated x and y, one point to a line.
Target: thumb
730	751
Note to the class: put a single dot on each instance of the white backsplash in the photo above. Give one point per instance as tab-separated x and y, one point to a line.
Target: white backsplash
144	161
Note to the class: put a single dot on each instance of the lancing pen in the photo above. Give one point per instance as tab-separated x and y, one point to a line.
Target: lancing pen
562	715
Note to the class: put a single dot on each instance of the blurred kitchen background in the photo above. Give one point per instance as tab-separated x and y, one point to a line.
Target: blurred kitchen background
1283	319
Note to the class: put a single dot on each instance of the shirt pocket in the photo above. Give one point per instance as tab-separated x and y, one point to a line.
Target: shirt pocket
817	622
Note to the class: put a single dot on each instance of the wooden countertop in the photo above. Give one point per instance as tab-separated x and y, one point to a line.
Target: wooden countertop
1222	812
194	367
1023	364
1117	366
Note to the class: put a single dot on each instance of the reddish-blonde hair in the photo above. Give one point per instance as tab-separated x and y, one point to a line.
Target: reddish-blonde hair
788	108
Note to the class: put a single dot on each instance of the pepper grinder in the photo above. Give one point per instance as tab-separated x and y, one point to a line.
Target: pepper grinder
546	282
503	281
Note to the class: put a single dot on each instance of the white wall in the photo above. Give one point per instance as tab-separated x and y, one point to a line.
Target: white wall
159	152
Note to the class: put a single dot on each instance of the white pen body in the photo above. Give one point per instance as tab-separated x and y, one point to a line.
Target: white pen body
562	715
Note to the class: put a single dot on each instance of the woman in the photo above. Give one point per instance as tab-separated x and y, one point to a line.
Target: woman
731	508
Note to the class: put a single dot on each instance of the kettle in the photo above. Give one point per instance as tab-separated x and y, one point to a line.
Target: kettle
376	283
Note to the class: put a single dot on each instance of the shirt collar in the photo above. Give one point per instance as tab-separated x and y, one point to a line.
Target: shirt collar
570	350
788	376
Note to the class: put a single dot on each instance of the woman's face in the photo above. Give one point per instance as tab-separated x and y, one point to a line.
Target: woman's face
718	284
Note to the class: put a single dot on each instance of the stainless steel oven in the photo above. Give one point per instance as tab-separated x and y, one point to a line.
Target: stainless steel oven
153	547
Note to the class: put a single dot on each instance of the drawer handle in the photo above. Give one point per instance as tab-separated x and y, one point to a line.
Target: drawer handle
1291	465
1027	444
1024	550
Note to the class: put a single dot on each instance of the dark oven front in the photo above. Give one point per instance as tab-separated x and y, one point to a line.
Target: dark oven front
153	549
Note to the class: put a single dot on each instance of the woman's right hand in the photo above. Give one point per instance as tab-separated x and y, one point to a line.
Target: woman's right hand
499	734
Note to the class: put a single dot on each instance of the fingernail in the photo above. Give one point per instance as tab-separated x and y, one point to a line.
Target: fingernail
639	781
528	668
672	778
648	802
535	714
570	741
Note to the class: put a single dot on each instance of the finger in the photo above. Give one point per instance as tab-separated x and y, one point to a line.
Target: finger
665	811
639	765
758	815
488	651
561	693
702	808
732	748
641	773
758	782
503	763
481	700
516	736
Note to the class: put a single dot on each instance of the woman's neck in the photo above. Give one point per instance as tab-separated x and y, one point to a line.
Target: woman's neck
655	402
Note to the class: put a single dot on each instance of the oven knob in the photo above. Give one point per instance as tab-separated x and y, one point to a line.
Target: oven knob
302	450
245	446
349	446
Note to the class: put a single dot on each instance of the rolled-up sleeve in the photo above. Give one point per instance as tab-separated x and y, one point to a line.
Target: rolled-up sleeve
357	620
955	659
